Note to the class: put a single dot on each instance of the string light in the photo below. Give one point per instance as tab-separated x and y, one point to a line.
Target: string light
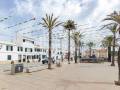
20	23
3	19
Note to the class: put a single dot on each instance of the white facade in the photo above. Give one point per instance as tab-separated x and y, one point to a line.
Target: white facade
4	53
23	49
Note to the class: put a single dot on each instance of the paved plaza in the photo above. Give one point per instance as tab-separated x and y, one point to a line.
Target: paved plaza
81	76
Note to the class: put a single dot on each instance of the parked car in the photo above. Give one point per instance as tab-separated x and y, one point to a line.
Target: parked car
45	61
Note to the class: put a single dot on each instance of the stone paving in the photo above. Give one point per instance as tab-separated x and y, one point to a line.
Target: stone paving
81	76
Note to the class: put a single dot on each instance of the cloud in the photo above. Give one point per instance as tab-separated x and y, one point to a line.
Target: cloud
25	7
63	8
68	8
82	11
102	9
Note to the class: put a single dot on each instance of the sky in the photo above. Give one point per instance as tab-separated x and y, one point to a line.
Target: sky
87	14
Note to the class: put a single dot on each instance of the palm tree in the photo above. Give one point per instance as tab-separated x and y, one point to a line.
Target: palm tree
75	37
114	31
90	45
118	82
80	44
107	42
113	28
50	22
69	25
115	18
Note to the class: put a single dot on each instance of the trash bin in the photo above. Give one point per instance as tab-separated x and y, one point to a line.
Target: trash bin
19	68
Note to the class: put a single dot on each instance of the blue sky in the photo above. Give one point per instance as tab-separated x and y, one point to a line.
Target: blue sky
85	12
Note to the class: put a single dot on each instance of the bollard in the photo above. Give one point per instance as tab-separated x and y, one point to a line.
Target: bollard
12	68
58	64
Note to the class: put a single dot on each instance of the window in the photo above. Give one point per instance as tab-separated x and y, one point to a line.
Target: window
28	57
9	48
18	48
32	56
35	49
37	56
21	48
33	42
30	49
9	57
19	57
40	50
25	49
23	40
6	48
43	56
24	58
45	50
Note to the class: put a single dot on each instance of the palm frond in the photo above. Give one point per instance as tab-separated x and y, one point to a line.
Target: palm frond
69	25
108	19
57	24
50	22
115	17
45	21
54	21
107	41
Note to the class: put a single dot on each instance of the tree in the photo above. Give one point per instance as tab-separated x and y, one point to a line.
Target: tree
90	45
50	22
113	28
75	37
107	42
69	25
115	18
80	44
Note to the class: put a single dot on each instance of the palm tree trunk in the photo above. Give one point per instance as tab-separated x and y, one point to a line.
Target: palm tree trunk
69	46
90	51
79	51
50	42
118	82
113	52
119	64
109	53
75	52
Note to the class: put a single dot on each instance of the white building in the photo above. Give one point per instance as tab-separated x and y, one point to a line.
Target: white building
23	49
